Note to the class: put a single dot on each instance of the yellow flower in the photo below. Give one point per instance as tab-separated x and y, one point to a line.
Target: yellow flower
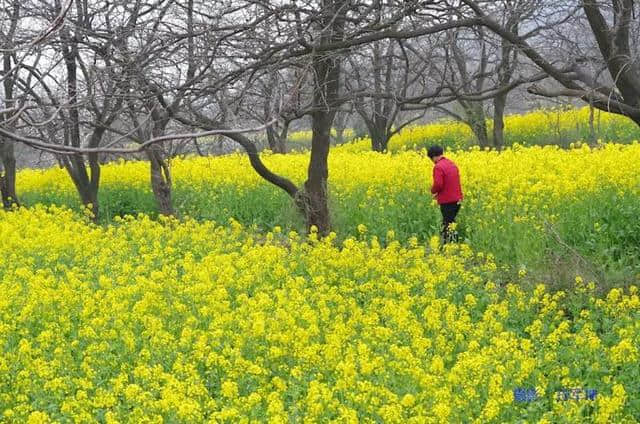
625	351
408	400
230	389
38	418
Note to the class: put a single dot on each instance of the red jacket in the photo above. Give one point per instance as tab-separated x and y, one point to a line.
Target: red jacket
446	182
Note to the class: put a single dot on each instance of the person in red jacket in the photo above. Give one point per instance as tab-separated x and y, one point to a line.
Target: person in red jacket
446	189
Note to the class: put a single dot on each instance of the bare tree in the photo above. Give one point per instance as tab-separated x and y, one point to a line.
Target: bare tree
385	69
341	122
616	86
507	63
22	52
277	94
461	52
10	16
276	134
88	62
163	69
478	61
313	199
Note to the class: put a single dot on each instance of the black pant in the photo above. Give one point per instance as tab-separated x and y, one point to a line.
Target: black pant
449	212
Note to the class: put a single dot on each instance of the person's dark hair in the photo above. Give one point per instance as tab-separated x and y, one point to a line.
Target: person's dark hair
435	151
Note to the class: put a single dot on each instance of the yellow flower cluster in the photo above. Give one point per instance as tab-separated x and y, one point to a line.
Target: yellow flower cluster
169	321
540	127
512	197
521	174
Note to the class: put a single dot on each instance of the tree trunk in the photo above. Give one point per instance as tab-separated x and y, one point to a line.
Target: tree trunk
272	139
160	180
89	197
339	135
8	175
277	142
478	124
282	139
7	155
377	132
86	185
75	165
378	139
281	146
499	103
314	204
479	128
592	129
326	69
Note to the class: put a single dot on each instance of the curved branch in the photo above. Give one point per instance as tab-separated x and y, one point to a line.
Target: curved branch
599	100
252	152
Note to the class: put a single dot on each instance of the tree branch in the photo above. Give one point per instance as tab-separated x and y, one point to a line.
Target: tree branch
72	150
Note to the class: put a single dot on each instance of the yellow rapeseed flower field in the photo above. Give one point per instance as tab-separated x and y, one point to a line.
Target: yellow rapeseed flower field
511	197
524	172
169	321
540	127
205	319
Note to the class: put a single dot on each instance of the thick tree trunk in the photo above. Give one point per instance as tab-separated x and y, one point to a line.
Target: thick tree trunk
479	128
379	139
89	197
377	128
282	140
313	199
281	146
87	186
314	203
272	139
499	103
7	155
478	123
8	175
160	180
277	142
